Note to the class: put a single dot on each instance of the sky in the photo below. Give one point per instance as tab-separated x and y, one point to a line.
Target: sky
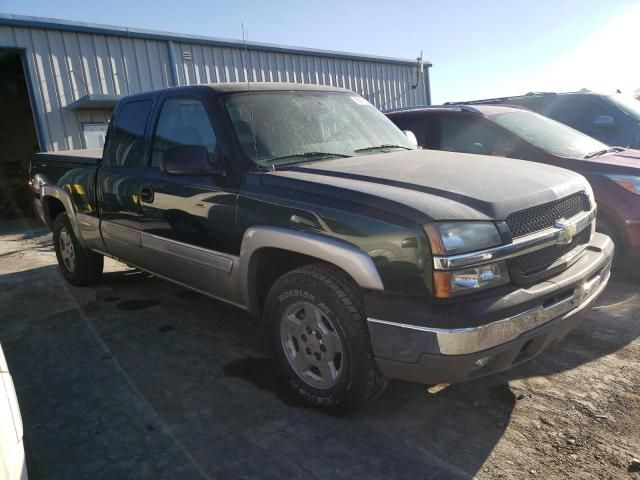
478	48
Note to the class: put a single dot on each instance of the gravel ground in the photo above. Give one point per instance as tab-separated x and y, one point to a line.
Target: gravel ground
139	378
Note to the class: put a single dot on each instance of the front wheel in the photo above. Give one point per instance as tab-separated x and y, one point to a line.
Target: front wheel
78	265
317	332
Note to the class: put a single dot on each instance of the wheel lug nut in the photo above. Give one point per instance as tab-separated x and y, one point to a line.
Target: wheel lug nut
304	337
318	336
317	356
308	330
308	350
323	348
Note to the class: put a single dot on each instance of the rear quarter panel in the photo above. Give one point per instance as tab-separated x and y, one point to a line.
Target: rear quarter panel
75	174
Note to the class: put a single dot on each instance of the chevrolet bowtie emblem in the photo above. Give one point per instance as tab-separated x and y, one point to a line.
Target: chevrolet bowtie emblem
567	231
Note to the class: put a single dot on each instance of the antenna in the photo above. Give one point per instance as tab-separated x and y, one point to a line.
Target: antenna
246	76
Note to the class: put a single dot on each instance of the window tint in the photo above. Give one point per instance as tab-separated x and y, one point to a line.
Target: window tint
183	121
425	128
126	142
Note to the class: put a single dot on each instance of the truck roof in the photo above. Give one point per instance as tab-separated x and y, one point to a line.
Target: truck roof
235	87
270	86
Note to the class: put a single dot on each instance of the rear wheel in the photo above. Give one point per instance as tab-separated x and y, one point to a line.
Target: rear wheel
317	332
77	264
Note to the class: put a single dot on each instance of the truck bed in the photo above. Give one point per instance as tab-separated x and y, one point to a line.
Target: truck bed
77	167
90	157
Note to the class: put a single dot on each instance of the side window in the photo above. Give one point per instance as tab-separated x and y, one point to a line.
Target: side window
126	142
579	112
470	135
182	121
419	126
479	136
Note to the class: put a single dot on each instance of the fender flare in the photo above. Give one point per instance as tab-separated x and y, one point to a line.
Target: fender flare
344	255
49	190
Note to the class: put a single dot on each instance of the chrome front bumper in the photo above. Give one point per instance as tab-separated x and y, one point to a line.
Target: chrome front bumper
482	338
461	341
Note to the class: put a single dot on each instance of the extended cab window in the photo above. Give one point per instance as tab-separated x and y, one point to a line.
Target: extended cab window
126	142
183	121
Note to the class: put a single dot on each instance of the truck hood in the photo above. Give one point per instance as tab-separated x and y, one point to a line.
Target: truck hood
442	185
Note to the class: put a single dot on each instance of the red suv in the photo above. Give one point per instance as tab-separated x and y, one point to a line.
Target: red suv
614	172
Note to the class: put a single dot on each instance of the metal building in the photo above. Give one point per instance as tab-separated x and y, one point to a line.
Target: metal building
60	80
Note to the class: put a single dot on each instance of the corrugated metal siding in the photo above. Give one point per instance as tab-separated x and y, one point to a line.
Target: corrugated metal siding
385	85
65	65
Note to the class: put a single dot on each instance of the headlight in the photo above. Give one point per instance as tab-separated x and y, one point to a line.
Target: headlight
628	182
450	238
455	282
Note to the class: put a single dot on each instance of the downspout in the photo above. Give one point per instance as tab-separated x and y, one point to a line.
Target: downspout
174	65
427	84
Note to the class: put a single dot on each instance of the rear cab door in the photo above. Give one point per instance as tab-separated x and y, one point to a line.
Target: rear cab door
120	178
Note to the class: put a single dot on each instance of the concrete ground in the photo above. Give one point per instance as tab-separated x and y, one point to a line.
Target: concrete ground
139	378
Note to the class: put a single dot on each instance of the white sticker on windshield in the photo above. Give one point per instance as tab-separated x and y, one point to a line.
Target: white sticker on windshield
360	101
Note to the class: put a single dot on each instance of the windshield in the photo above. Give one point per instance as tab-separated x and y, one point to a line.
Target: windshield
549	135
628	105
279	127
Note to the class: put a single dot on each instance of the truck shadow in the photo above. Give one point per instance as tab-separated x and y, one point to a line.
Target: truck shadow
203	382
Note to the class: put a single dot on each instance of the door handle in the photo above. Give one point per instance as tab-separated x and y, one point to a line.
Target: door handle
146	194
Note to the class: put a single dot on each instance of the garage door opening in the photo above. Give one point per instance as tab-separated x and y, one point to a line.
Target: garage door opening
18	137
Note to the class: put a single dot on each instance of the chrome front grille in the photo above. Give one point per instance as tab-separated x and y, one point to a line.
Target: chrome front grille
534	262
544	216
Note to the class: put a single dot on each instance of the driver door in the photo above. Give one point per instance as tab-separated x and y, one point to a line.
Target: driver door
188	220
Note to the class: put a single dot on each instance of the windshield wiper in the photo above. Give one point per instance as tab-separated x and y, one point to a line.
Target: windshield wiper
382	147
306	155
598	153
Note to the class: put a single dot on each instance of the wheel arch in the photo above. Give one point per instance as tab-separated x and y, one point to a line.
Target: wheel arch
56	200
269	252
614	221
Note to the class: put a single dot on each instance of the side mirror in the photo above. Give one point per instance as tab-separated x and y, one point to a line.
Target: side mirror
604	122
189	160
411	136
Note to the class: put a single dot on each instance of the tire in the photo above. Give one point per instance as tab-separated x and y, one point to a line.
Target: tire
78	265
317	333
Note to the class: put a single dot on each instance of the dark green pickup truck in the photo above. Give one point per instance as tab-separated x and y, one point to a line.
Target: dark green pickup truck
365	258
